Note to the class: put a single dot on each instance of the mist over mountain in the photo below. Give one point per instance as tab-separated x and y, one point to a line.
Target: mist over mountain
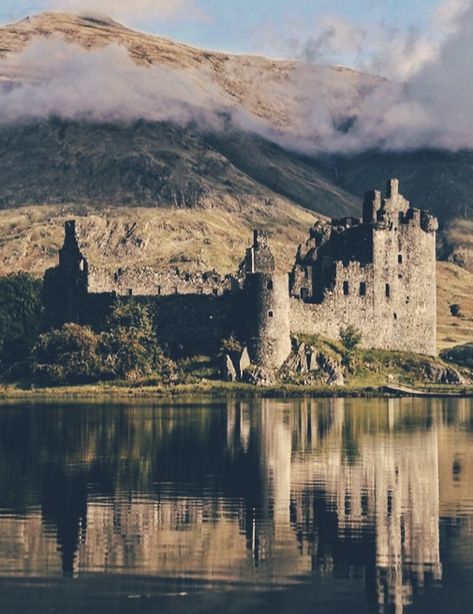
95	114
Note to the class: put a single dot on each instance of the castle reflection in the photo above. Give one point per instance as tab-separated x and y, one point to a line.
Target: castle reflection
262	492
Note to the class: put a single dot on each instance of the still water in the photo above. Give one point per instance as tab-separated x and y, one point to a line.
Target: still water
228	506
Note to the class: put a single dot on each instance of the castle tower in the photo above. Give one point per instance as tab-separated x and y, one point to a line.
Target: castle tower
65	287
267	301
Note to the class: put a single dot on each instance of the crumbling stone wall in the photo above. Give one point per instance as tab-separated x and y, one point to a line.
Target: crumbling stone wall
378	275
147	281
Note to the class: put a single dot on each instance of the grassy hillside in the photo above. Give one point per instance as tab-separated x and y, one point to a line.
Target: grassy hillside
193	240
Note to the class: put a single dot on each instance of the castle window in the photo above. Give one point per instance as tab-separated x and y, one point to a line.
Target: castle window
306	273
346	288
388	291
408	300
399	276
270	314
395	316
158	290
270	285
399	258
130	292
363	288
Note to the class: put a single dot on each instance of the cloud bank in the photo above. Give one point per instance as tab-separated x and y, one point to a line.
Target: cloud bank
429	104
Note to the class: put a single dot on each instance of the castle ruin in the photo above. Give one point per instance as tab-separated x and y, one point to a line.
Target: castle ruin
377	274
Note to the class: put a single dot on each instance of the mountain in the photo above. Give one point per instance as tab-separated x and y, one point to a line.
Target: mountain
84	132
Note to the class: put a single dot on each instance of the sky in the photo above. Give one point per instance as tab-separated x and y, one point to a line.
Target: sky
268	27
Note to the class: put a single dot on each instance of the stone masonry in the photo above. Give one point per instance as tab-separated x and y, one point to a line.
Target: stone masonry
377	274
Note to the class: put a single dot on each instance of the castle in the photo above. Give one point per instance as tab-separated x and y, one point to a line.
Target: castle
377	274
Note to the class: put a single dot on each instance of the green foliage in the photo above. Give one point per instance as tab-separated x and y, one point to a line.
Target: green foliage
231	345
350	338
69	355
20	317
126	350
461	355
130	346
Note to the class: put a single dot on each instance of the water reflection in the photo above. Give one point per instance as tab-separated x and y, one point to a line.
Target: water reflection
262	493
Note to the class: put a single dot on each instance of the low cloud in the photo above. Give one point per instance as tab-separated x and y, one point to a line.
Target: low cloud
428	104
55	78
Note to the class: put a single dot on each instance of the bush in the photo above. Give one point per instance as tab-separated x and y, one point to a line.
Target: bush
69	355
126	350
21	315
351	339
129	345
231	346
461	355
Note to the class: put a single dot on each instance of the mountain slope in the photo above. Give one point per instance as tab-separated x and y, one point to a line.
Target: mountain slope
157	193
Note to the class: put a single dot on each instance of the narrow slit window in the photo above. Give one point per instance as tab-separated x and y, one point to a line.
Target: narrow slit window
270	285
388	291
399	258
363	288
346	288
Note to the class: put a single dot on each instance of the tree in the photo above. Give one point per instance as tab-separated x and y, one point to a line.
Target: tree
21	315
351	339
129	345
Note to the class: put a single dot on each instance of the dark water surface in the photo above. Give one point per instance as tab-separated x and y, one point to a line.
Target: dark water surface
253	506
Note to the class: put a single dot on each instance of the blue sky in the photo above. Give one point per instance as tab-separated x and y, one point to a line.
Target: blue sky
254	26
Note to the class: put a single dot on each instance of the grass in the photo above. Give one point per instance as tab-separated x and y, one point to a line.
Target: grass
120	392
371	371
206	388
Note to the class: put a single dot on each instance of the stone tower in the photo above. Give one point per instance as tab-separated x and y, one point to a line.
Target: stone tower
377	274
267	301
66	286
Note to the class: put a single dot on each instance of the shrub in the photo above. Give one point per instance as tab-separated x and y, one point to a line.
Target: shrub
20	317
231	345
129	345
351	339
128	349
69	355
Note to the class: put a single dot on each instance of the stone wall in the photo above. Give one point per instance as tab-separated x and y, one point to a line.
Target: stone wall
147	281
392	301
267	318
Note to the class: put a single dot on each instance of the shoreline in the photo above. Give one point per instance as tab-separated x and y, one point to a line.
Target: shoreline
212	389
